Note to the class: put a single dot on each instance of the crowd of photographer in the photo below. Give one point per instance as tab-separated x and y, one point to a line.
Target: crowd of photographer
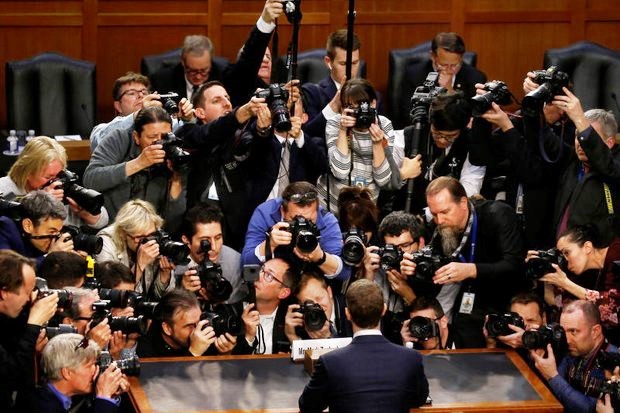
241	231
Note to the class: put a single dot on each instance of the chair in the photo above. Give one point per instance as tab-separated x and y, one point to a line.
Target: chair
151	64
52	94
310	67
594	71
399	62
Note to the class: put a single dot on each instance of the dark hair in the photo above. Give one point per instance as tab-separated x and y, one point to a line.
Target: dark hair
40	205
291	274
12	270
397	222
111	274
146	116
306	277
357	90
365	303
357	209
339	39
173	302
527	298
199	98
449	41
299	187
580	234
589	309
424	303
450	111
62	269
454	187
129	77
200	213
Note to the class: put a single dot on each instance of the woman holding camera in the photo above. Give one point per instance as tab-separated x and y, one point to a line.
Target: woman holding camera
38	167
598	274
359	146
130	241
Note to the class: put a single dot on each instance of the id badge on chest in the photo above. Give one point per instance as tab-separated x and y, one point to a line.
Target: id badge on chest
467	303
360	182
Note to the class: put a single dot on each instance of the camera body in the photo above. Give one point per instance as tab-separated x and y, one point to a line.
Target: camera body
91	244
608	360
537	267
224	319
129	366
53	331
305	234
173	146
276	98
128	298
427	262
10	208
390	257
217	287
353	247
423	97
364	115
497	324
89	199
170	102
497	92
423	328
174	250
125	324
551	82
313	314
549	334
65	298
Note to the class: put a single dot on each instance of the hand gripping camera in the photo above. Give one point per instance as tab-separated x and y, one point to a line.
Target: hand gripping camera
305	234
551	82
391	256
176	251
217	287
89	199
497	92
314	316
65	298
170	102
423	328
91	244
537	267
128	325
364	115
427	262
224	319
276	97
129	366
173	146
497	324
553	334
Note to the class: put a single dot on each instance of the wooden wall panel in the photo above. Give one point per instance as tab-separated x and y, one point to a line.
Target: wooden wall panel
510	36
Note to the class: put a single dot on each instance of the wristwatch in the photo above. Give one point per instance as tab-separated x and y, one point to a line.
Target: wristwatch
322	260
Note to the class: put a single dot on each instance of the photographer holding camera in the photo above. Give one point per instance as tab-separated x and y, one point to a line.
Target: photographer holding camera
17	343
594	264
359	146
71	368
577	380
208	271
42	165
297	228
320	312
41	227
427	328
132	240
475	257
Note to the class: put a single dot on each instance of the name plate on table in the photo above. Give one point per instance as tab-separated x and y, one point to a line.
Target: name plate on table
300	346
66	138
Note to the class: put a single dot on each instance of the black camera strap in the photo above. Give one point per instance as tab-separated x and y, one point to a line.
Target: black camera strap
541	143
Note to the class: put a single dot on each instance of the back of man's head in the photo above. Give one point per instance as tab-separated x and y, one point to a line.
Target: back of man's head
129	77
65	351
11	270
448	41
40	205
111	274
450	111
63	269
339	39
365	303
201	213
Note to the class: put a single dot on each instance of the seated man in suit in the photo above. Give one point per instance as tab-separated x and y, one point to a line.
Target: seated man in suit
370	374
447	50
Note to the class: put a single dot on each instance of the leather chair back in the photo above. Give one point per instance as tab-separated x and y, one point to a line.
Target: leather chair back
153	63
399	61
594	71
310	67
52	94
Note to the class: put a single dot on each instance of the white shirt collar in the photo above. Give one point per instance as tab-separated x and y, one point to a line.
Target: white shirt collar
367	332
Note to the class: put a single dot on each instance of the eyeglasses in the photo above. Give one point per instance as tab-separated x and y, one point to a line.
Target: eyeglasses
134	92
82	344
269	276
303	198
448	138
405	245
448	66
197	72
48	236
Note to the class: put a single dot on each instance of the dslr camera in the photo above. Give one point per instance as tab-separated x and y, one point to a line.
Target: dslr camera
354	247
391	256
89	199
423	328
128	298
427	262
497	92
91	244
364	115
541	265
51	332
218	288
170	102
551	82
125	324
173	146
314	316
550	334
305	234
224	319
422	98
276	97
10	208
497	324
65	298
174	250
129	366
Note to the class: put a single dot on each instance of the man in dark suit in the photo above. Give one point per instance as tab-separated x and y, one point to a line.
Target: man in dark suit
390	378
447	50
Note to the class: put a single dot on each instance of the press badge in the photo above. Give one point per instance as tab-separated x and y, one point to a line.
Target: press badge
359	182
467	303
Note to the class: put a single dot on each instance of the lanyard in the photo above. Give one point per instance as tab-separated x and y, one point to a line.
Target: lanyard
474	236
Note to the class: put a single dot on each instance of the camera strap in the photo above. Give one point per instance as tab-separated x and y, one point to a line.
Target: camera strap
541	144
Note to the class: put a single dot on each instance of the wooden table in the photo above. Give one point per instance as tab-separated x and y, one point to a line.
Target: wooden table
77	150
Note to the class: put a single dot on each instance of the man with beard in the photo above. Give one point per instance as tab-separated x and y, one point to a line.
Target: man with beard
482	250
